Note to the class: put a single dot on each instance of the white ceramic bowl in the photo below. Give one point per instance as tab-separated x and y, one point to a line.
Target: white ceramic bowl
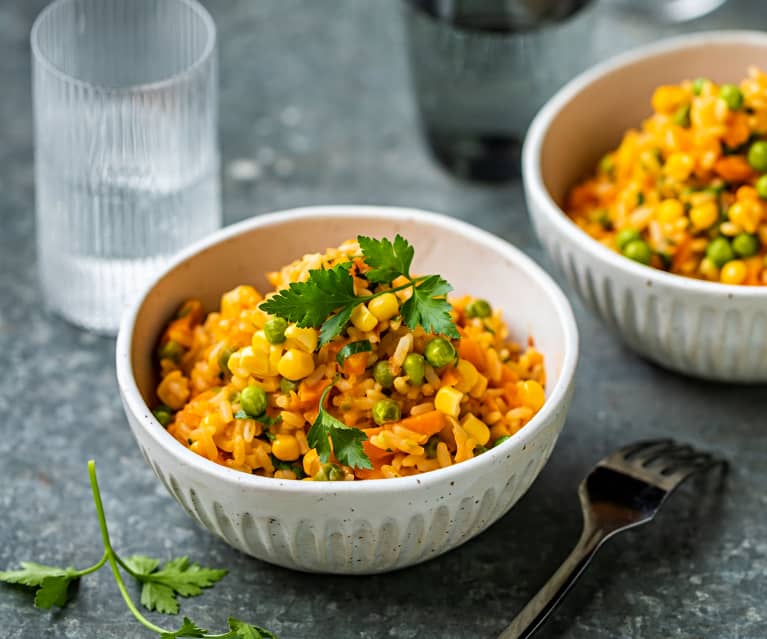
351	527
705	329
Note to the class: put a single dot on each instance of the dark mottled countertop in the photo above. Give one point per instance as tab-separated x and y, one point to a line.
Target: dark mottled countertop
315	108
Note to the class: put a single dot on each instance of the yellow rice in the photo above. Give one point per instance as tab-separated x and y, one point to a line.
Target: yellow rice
499	384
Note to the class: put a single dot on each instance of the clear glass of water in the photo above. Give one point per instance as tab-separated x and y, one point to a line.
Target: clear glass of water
482	68
126	158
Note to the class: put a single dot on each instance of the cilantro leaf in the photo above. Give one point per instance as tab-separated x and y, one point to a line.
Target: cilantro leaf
387	260
347	445
33	574
188	629
352	348
429	308
310	303
244	630
177	577
336	324
347	441
263	419
52	592
51	582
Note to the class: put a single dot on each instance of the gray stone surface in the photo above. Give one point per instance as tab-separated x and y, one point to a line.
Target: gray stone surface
315	108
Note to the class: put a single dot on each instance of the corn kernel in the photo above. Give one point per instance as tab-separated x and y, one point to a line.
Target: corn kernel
479	387
285	447
304	339
670	210
468	375
363	319
384	307
679	166
476	429
704	215
448	401
531	394
311	462
734	272
247	362
295	364
238	299
259	342
667	98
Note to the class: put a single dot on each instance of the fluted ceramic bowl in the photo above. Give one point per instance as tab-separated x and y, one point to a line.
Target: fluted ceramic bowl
700	328
362	526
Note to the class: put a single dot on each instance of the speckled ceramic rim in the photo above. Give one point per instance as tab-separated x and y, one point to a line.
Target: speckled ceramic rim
531	163
527	434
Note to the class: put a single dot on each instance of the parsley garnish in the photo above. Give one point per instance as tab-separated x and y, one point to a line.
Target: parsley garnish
347	441
326	299
352	348
159	586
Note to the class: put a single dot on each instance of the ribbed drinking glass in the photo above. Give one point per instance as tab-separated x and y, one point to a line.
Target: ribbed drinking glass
126	159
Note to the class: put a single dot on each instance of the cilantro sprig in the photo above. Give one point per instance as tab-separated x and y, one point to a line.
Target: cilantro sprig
346	441
326	299
160	586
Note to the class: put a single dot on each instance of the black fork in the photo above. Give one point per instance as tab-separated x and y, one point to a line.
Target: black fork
624	490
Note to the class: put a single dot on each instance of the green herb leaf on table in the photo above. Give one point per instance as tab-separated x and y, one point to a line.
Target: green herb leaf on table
347	441
177	577
387	260
51	583
429	308
188	629
244	630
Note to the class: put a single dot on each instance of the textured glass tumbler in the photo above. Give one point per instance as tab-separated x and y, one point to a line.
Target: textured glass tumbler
126	159
482	68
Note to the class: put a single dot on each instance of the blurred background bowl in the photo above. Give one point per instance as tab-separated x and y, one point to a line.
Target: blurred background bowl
705	329
365	526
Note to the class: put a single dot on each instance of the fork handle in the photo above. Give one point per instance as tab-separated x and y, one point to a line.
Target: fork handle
527	622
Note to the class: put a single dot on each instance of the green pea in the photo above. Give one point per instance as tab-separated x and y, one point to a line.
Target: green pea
329	472
163	414
500	440
275	330
745	245
639	251
626	236
414	368
383	373
607	164
223	359
761	187
478	450
171	350
682	116
253	400
287	385
439	352
478	308
757	156
719	252
732	95
430	448
385	410
698	84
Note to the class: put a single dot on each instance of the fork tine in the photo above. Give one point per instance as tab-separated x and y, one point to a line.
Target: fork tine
703	463
630	451
647	454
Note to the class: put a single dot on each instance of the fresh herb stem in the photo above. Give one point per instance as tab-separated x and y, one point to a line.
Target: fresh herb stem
109	553
94	567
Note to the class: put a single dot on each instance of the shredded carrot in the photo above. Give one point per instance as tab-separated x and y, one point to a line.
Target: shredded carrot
427	423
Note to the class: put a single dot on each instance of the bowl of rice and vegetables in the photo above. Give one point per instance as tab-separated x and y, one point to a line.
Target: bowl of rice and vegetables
350	409
658	158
